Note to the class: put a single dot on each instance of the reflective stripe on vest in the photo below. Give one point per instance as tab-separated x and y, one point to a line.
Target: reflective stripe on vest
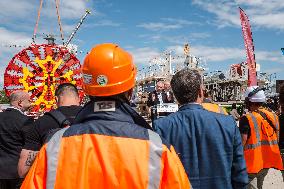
258	141
156	150
52	151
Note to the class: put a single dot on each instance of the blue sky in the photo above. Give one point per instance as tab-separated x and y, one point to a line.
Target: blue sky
147	28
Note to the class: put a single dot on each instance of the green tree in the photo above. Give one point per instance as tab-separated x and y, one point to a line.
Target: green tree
3	98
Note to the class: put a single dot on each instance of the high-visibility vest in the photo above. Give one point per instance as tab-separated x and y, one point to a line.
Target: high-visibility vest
261	149
214	108
101	161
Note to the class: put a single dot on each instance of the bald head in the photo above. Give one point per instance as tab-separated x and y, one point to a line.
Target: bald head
20	100
160	86
67	94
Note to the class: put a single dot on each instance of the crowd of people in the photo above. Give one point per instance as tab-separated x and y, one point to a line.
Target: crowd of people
107	144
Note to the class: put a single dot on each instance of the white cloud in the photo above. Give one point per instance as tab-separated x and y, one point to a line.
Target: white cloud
174	39
200	35
9	37
262	13
156	26
16	8
8	40
106	23
167	24
178	21
68	9
144	55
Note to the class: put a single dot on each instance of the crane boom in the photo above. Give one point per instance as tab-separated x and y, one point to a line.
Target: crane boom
77	27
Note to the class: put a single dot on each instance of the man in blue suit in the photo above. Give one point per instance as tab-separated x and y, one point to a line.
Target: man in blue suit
209	144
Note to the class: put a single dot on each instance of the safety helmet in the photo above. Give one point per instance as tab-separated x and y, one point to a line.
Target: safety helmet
255	94
108	70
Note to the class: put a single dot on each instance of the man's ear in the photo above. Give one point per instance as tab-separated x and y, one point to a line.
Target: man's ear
201	93
19	103
129	93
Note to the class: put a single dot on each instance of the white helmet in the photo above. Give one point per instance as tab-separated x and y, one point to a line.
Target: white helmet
255	94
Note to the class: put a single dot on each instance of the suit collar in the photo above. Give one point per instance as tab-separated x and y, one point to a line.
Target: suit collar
15	108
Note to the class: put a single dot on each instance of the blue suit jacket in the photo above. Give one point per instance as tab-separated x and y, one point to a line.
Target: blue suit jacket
209	146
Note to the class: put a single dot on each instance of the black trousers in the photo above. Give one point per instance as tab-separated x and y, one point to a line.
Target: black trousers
10	183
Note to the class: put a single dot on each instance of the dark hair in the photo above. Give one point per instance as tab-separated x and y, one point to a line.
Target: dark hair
66	87
186	85
281	94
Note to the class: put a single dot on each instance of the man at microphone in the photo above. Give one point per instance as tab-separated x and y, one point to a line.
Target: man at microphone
156	97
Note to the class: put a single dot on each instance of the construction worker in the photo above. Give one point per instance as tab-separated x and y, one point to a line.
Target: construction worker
214	108
111	146
210	106
259	130
208	143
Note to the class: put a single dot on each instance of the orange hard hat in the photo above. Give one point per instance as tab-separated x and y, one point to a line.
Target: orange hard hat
108	70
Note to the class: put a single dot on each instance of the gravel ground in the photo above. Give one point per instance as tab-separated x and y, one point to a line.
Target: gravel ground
273	180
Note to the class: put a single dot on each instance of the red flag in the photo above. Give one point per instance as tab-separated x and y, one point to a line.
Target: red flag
252	79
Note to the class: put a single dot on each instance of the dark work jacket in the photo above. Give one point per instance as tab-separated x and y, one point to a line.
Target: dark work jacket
123	113
209	146
12	123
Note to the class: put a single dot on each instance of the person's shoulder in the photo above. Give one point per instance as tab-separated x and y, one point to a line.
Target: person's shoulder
14	114
69	109
12	111
45	120
168	120
223	119
244	117
121	129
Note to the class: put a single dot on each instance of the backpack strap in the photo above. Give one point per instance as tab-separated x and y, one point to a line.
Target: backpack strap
268	120
59	117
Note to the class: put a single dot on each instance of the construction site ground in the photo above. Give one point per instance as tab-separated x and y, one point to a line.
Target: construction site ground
273	180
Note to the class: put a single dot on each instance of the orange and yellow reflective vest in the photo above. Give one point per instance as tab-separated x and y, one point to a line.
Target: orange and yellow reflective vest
261	149
93	156
214	108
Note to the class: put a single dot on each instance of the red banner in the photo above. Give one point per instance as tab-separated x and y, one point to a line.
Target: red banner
252	79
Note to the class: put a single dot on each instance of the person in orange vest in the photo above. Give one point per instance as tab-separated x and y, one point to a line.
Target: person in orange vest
259	129
214	108
111	146
210	106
